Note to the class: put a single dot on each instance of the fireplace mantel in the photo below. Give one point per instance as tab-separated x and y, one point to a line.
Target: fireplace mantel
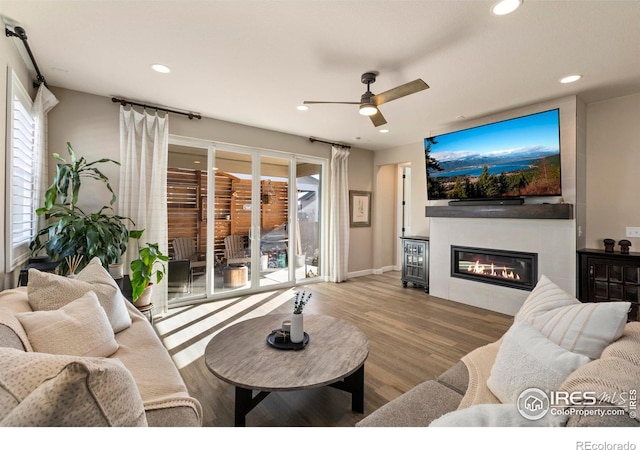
533	211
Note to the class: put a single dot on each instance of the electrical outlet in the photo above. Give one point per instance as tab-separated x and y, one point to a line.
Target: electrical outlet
633	232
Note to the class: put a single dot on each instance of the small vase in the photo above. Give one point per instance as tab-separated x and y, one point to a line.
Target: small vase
297	328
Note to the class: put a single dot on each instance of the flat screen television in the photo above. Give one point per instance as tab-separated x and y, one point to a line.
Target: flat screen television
517	157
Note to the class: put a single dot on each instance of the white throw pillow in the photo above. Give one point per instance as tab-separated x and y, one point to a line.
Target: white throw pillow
80	328
527	359
48	291
495	415
585	328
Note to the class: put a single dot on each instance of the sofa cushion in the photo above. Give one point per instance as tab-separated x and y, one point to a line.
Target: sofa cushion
495	415
585	328
159	382
527	359
79	328
614	376
48	291
415	408
38	389
456	377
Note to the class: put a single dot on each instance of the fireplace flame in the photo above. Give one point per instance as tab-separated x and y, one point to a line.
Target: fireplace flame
483	269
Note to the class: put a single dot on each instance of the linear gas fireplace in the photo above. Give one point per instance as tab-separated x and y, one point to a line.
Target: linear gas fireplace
501	267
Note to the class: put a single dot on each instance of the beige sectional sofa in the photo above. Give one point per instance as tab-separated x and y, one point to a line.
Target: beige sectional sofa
556	344
136	385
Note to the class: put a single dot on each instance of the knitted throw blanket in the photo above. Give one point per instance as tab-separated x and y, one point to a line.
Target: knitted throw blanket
479	363
615	375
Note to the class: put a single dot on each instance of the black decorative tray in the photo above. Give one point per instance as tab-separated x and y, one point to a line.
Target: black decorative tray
280	339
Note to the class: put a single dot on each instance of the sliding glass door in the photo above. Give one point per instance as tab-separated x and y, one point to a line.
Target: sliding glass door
274	220
308	250
252	219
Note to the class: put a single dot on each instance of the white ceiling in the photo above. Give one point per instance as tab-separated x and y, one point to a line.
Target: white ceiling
253	62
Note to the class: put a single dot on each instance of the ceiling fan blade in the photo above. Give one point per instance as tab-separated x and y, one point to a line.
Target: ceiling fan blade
338	103
378	119
401	91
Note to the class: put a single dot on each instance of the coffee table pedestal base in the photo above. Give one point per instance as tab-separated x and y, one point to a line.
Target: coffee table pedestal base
354	384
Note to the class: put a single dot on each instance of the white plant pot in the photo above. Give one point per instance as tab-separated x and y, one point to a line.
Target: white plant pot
297	328
145	297
300	260
116	271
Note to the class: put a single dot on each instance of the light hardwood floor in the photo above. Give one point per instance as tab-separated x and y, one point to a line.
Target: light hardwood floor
413	337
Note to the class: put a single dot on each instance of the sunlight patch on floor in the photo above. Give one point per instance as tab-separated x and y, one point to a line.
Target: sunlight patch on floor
188	355
185	316
201	326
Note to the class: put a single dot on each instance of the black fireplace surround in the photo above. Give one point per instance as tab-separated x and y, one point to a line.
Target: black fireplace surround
508	268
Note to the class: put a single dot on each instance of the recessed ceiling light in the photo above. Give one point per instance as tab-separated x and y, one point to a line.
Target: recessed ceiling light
570	79
384	130
504	7
161	68
302	107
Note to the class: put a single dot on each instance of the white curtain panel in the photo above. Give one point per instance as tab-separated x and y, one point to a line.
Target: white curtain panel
144	145
339	216
44	102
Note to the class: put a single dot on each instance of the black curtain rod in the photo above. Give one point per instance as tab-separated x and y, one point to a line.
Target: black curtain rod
312	139
124	102
22	35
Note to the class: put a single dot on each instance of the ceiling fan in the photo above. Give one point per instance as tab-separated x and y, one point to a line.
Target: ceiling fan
369	102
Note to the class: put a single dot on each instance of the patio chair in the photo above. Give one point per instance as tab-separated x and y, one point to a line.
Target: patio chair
234	250
185	248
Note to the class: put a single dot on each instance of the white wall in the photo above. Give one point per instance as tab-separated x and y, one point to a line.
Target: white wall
613	168
413	155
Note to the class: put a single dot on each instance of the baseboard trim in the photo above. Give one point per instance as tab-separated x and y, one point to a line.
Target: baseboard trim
364	273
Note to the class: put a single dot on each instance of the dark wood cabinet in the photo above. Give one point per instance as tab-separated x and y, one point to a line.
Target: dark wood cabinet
609	277
415	261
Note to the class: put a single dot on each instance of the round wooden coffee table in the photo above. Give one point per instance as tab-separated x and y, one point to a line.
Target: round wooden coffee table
334	356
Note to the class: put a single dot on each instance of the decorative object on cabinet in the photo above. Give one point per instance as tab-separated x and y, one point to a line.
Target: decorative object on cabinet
624	246
608	245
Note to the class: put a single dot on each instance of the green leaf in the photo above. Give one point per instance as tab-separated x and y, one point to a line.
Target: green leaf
135	234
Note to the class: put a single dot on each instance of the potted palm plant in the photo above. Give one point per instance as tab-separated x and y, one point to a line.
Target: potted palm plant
145	271
70	231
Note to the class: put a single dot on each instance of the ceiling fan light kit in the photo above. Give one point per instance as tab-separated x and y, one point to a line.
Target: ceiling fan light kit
368	104
368	109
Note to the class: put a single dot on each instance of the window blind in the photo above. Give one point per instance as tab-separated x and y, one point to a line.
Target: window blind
21	166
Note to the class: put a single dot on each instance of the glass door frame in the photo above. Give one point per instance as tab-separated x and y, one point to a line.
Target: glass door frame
257	154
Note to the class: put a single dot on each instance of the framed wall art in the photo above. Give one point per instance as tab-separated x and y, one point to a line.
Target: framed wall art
359	209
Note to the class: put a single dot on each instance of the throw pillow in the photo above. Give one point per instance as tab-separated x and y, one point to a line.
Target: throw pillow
79	328
48	291
492	415
527	359
585	328
37	389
